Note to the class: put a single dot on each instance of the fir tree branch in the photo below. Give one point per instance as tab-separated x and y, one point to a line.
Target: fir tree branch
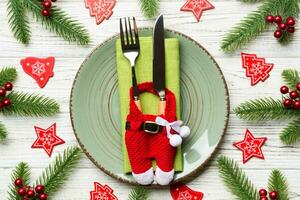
278	183
149	7
21	171
236	180
24	104
254	24
3	132
291	77
291	134
57	173
138	193
59	23
7	74
18	21
264	109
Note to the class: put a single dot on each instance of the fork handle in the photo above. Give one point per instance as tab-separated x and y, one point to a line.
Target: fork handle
135	89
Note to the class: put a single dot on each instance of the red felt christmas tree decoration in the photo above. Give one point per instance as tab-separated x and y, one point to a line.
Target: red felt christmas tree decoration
102	192
197	7
100	9
183	192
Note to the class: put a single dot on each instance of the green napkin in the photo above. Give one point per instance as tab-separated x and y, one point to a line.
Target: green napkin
143	68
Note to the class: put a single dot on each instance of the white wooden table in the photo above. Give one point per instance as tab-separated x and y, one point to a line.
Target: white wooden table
214	24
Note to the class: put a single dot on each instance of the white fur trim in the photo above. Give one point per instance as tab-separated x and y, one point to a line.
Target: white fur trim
175	140
163	178
145	178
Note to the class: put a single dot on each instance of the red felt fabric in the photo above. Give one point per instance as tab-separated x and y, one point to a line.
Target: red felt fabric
143	147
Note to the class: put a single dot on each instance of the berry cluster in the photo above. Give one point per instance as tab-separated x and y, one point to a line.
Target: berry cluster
264	195
47	4
292	101
288	25
5	102
27	192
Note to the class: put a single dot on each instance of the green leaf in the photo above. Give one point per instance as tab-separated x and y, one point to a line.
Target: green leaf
138	193
291	78
291	134
21	171
278	183
57	173
59	23
7	74
264	109
149	7
236	180
18	21
24	104
3	132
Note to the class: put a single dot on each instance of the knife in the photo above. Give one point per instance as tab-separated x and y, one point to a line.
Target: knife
159	70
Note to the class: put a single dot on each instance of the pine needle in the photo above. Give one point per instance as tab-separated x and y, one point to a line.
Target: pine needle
138	193
21	171
7	74
236	180
18	21
291	133
264	109
57	173
278	183
24	104
149	7
3	132
291	77
59	23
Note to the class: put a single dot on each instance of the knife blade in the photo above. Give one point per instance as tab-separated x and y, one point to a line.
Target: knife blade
159	71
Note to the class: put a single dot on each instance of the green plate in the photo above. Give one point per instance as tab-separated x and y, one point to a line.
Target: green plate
95	113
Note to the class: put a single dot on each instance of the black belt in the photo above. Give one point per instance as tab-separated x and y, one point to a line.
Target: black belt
148	127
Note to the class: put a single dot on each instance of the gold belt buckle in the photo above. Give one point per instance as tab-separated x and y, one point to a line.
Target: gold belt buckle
149	131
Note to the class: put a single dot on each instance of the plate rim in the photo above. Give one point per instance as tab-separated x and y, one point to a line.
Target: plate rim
197	170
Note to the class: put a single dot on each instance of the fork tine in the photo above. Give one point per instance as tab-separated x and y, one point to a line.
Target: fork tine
126	33
130	30
136	33
122	34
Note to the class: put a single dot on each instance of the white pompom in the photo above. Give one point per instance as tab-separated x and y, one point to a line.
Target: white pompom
185	131
175	140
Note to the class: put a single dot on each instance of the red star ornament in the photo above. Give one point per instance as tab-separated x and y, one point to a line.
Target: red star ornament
183	192
100	9
256	68
101	192
197	7
251	146
47	139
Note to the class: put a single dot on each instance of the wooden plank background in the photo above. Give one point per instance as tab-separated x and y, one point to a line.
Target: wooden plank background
209	32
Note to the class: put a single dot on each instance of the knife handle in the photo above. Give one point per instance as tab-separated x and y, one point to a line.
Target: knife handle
161	107
138	104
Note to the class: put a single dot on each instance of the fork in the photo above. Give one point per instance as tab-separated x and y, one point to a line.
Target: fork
131	50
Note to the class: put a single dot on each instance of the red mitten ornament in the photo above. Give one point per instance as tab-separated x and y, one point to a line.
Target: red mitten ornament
183	192
101	192
256	68
100	9
197	7
40	69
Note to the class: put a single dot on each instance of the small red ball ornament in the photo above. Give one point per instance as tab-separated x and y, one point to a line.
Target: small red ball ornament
284	89
270	19
26	198
290	21
298	86
47	4
21	192
291	29
294	94
46	12
8	86
18	182
1	105
273	195
30	193
278	19
6	102
2	92
278	34
263	192
287	103
263	198
282	26
43	196
297	105
39	189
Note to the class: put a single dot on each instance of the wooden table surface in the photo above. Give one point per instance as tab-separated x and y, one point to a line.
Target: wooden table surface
209	32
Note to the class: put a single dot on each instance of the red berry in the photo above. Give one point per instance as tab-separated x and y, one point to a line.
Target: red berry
47	4
22	192
278	19
291	29
290	21
46	12
1	105
25	198
30	193
39	189
263	198
8	86
298	86
297	105
278	34
18	182
294	94
282	26
270	19
43	196
284	89
6	102
2	92
263	192
287	103
273	195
